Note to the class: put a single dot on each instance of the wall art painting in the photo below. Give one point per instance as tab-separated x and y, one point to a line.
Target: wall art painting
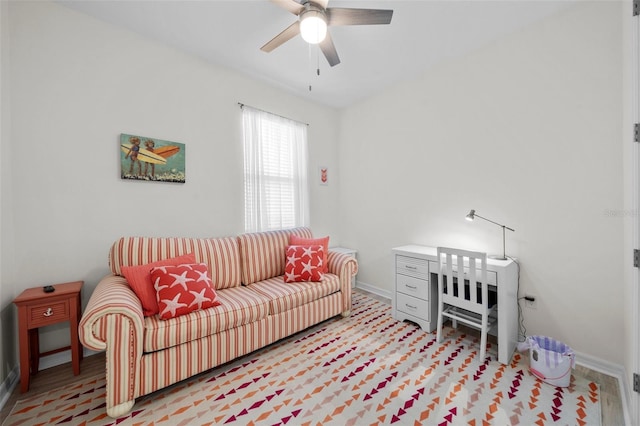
151	159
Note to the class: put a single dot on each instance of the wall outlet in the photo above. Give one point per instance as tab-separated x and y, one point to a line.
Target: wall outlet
530	301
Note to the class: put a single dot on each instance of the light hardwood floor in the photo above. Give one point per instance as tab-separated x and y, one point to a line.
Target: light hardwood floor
43	381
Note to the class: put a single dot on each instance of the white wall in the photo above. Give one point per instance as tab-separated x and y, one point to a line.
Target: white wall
8	358
76	84
527	131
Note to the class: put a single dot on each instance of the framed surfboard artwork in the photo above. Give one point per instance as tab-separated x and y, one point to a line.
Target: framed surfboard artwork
151	159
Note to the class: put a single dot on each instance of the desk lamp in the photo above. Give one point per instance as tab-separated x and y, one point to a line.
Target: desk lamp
472	215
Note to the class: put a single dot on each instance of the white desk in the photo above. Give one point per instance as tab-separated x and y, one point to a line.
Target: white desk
416	293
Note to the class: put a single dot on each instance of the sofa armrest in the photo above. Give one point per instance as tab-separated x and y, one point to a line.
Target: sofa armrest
345	267
112	296
113	321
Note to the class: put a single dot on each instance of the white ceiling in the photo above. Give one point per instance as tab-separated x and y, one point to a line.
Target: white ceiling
230	33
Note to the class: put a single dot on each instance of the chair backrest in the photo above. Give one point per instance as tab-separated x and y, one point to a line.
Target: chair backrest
457	266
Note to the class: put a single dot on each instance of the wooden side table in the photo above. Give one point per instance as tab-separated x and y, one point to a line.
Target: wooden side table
37	309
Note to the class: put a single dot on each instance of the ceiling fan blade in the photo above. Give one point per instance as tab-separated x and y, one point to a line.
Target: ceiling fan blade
290	5
347	16
329	50
290	32
322	3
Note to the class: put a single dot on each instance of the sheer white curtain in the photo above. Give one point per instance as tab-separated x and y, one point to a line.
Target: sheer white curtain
276	189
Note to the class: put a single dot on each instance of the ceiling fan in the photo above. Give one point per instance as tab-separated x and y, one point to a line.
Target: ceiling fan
314	18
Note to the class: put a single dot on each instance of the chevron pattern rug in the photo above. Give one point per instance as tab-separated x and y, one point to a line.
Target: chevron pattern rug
368	369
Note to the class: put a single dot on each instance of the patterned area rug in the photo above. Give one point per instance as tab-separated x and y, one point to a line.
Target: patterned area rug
366	369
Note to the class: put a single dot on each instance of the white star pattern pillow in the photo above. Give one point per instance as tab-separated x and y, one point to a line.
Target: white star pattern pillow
182	289
304	263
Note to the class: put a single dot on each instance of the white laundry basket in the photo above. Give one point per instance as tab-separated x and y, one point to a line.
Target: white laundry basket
550	360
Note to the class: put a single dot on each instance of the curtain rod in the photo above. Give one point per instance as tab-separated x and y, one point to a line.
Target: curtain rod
269	112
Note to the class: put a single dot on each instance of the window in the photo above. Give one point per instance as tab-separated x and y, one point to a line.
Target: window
276	193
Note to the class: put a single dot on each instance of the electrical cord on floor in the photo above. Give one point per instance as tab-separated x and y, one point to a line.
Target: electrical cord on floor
522	330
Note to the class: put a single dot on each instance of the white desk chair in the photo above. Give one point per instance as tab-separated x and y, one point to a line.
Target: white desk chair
459	298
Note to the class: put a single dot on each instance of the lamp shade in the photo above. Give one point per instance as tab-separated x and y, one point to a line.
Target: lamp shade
313	26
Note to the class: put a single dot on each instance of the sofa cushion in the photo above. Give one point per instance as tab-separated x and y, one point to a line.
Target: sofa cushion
294	240
263	253
221	255
304	263
182	289
238	306
284	296
139	279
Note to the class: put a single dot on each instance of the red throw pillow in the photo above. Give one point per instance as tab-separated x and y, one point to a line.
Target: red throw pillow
304	263
294	240
139	278
182	289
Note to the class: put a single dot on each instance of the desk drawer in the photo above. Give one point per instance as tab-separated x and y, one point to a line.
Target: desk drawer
413	306
413	267
412	286
50	313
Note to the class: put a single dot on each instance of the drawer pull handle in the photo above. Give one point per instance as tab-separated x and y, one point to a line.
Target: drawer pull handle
410	307
412	287
48	313
411	267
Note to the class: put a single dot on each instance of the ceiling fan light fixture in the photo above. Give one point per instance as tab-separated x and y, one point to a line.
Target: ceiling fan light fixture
313	26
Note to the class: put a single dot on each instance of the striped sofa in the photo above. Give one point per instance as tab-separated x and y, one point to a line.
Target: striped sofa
144	354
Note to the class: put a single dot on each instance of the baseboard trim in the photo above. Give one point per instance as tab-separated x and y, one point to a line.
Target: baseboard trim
9	384
610	369
373	289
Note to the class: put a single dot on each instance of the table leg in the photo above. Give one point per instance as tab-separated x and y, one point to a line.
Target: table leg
25	359
78	325
76	351
34	351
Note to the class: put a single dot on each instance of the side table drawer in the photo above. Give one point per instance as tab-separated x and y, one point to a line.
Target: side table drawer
412	286
49	313
413	306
